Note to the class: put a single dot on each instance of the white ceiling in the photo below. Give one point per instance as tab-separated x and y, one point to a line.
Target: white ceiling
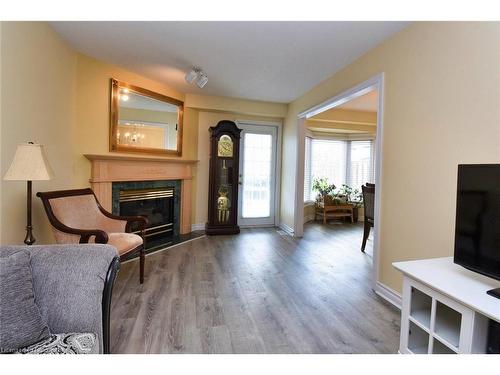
269	61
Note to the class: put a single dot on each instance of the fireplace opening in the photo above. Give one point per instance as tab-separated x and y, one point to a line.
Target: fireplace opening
156	204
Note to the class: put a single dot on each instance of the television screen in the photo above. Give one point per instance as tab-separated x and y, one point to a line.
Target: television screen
477	228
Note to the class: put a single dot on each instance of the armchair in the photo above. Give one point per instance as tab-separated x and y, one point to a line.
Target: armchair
77	217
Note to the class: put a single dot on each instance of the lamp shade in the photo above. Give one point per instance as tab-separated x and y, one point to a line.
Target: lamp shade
29	164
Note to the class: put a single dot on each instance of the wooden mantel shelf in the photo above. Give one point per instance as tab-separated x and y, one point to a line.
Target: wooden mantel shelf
109	168
93	157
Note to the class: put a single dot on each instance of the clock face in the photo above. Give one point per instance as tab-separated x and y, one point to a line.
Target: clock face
225	147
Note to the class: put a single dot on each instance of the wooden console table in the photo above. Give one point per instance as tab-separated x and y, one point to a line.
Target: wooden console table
334	211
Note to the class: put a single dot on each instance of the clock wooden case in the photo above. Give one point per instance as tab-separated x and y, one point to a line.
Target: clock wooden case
223	179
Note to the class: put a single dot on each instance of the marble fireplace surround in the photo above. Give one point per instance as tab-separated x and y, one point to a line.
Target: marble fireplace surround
109	168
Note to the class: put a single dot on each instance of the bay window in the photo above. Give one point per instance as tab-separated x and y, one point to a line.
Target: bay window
349	162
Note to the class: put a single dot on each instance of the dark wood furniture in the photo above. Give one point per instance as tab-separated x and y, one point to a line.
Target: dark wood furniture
107	294
369	206
77	217
223	179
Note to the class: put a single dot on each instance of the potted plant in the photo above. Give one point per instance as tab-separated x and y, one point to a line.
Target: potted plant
343	195
323	187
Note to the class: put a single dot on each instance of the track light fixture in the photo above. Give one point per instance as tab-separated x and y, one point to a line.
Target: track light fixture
202	80
197	76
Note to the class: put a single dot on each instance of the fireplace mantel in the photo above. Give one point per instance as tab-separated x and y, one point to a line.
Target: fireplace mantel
92	157
109	168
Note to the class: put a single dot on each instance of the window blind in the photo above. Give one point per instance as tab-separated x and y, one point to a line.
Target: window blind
328	160
360	165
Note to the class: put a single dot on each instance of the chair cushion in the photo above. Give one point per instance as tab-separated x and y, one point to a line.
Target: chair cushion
64	343
124	242
21	320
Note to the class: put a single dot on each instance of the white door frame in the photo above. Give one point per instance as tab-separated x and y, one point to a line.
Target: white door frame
375	82
279	129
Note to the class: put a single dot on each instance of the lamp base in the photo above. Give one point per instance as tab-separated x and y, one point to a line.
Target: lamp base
29	239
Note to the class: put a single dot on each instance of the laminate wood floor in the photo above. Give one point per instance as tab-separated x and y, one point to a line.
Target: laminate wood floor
261	291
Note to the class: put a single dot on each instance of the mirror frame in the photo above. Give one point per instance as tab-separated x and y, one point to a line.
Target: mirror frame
114	146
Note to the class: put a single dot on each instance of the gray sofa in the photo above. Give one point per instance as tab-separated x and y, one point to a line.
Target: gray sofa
72	286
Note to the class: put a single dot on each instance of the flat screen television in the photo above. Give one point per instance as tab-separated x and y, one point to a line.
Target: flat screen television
477	227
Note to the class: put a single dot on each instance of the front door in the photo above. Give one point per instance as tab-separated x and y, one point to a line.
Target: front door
257	183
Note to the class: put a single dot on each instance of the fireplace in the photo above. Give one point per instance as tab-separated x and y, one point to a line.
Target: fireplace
158	201
156	205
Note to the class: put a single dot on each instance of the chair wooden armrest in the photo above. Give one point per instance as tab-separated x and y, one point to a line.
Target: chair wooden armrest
85	234
142	221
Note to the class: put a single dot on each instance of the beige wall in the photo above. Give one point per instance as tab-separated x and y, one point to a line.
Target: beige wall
236	106
37	104
339	115
344	121
442	96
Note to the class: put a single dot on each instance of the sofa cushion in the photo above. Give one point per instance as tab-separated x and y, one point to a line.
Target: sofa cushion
64	343
21	320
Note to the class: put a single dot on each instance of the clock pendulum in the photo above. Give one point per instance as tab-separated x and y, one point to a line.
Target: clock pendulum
223	202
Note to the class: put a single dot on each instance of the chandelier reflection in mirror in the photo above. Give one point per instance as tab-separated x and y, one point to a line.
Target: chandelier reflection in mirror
130	134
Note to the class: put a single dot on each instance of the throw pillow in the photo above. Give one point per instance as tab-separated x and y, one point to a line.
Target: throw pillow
21	323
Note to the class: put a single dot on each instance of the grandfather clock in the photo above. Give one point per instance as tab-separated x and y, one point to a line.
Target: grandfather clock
223	179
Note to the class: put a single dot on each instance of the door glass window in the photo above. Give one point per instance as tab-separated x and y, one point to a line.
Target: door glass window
257	163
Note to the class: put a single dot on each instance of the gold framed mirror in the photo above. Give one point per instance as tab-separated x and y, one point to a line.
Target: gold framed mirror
144	121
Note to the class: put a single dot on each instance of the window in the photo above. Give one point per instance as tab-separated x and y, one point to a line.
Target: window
361	166
257	162
340	161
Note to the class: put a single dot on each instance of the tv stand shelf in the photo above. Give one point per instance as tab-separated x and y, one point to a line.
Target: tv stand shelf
446	309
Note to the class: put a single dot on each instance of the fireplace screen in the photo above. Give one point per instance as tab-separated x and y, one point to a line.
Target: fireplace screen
157	205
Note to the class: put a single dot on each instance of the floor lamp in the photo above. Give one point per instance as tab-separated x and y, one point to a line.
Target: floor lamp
29	164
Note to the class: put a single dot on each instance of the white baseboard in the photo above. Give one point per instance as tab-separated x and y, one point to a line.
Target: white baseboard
308	218
390	295
285	228
199	226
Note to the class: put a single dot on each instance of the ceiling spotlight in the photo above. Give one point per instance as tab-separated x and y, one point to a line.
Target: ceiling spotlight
197	76
202	80
192	75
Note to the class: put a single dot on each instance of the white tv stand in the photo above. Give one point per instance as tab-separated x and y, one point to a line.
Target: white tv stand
445	308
